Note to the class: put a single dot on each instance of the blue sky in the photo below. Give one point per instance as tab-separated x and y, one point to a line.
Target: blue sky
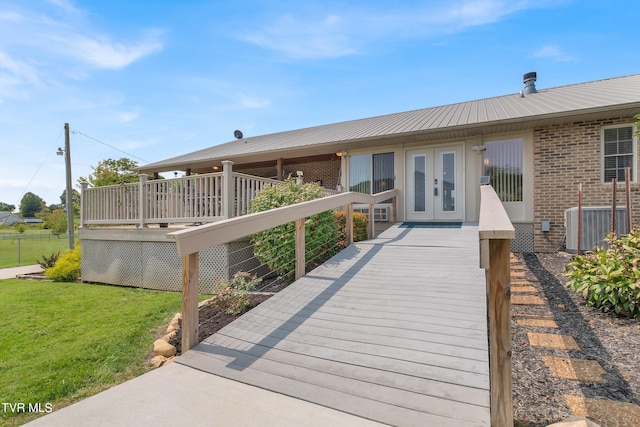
160	78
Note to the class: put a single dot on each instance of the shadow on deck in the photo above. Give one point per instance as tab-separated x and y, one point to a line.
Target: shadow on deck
392	329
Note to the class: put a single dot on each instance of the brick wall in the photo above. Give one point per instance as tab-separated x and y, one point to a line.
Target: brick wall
565	156
326	170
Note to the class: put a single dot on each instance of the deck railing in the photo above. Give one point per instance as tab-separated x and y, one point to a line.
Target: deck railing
191	241
496	232
198	198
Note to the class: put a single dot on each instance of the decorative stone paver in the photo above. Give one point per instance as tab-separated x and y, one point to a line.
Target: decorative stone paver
575	369
607	413
526	300
518	274
523	289
542	323
562	342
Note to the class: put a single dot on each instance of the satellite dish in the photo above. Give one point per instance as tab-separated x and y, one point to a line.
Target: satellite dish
237	134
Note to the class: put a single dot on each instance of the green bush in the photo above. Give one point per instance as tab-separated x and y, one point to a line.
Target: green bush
610	278
234	298
67	268
276	246
359	224
20	227
48	261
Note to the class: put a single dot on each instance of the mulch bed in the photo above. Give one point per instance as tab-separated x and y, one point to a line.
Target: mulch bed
538	396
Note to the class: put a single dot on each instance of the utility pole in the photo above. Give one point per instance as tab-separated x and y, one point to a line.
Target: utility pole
69	202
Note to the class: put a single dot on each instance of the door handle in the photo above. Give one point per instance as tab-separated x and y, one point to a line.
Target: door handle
435	191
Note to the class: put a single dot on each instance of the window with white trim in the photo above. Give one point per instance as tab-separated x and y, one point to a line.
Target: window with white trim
618	152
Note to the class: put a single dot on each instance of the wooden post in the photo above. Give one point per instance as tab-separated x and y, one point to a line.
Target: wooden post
627	178
614	188
189	301
228	193
143	202
279	169
394	209
349	224
499	313
83	204
371	232
579	218
300	248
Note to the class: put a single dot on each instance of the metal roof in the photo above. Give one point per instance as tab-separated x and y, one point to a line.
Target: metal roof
615	97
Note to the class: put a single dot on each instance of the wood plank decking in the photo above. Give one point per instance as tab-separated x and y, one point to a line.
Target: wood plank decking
392	329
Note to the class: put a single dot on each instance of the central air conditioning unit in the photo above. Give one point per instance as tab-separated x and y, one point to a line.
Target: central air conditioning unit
596	225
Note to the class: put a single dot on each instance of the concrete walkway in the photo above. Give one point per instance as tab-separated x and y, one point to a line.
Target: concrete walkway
11	273
181	396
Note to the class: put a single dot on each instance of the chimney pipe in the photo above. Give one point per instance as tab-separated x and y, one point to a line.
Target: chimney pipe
529	83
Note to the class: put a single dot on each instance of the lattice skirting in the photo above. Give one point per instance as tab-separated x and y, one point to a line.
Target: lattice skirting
524	238
156	265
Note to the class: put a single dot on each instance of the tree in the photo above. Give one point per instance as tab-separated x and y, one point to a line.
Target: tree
111	172
56	221
5	207
75	200
30	205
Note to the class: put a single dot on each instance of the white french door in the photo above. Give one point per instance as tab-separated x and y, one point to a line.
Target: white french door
434	184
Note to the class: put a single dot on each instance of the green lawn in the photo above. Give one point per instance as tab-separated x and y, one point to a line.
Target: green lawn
61	342
28	248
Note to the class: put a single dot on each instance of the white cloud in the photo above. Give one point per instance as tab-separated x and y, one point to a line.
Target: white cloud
47	45
249	102
552	52
125	117
104	53
321	35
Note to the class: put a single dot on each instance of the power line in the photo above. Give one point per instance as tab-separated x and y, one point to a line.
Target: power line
36	173
110	146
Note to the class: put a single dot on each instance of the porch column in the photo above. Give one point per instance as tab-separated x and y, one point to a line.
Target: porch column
228	193
142	199
279	169
83	205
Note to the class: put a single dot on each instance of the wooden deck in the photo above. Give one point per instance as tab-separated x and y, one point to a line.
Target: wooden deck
392	329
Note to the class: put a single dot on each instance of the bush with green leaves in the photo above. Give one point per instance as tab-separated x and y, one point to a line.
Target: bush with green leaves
234	298
67	268
276	247
360	225
610	278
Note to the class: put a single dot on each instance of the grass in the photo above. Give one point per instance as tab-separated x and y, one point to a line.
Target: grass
27	249
62	342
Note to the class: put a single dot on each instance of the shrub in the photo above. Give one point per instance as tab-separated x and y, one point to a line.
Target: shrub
67	268
359	225
610	278
234	298
20	227
276	246
48	261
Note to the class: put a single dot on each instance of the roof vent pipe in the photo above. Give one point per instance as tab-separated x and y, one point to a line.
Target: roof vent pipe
530	83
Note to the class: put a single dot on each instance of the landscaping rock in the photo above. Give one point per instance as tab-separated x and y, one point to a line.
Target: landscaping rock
163	348
574	422
175	324
158	361
168	337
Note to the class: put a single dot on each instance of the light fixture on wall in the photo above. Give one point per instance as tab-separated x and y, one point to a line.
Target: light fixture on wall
479	148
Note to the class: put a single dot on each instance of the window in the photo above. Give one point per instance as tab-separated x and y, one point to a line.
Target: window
371	174
503	164
618	152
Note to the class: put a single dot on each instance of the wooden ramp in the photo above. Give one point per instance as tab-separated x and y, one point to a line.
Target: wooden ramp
392	329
